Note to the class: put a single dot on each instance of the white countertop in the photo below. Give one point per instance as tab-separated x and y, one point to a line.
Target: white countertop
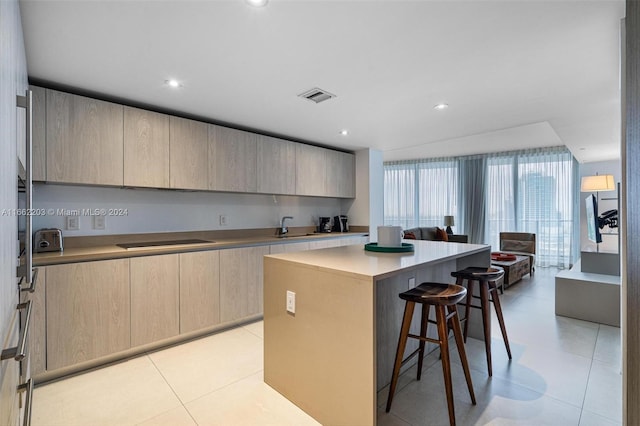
356	260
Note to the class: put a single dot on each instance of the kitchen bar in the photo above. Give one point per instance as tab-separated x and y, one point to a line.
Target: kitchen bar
334	353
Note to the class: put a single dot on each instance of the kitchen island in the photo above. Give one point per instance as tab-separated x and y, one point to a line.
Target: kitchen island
333	355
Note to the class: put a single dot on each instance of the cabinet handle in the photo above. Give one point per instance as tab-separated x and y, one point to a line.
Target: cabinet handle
18	352
26	102
27	387
34	279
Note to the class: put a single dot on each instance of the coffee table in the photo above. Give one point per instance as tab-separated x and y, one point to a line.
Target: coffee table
514	270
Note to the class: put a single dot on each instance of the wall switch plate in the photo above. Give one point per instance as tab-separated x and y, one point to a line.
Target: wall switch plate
412	283
223	220
291	302
99	222
73	223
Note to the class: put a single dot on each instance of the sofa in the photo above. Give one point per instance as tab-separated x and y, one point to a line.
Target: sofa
432	234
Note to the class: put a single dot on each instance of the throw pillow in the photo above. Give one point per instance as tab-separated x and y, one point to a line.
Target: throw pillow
409	236
441	235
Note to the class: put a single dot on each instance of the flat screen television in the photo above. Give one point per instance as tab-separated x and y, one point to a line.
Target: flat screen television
593	225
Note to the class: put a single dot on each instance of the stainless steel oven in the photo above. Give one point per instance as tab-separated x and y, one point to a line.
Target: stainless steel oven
25	198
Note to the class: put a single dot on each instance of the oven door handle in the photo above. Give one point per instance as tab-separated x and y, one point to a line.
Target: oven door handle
27	387
34	280
18	352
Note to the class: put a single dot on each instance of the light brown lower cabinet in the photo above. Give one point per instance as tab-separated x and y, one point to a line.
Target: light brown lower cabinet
199	290
241	272
88	311
155	292
85	311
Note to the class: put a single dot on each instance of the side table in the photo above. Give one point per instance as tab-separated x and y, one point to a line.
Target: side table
514	270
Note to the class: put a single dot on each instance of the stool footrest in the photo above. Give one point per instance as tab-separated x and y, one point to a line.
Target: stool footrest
424	339
410	356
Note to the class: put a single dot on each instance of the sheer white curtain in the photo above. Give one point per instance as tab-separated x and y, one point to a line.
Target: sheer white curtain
500	198
420	193
438	192
534	191
400	206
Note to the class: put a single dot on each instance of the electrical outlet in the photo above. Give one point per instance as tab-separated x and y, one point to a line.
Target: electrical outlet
73	223
223	220
412	283
99	222
291	302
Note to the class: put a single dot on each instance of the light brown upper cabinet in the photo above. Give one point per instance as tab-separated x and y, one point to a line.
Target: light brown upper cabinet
87	141
232	159
340	174
38	127
188	142
276	166
84	140
311	170
146	148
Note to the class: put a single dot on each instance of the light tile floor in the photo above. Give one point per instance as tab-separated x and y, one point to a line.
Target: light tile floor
563	372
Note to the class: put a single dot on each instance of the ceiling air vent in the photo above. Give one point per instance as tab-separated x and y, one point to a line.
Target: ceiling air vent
317	95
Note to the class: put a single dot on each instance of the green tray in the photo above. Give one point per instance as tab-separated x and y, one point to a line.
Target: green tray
406	248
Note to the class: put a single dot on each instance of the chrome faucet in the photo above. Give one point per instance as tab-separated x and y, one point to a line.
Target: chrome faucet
283	229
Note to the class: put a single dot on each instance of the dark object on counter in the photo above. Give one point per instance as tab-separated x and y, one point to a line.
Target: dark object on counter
325	224
340	224
405	248
47	239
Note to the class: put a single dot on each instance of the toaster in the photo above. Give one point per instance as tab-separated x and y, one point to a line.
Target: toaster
47	239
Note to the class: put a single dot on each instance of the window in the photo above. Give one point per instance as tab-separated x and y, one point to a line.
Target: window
420	193
400	195
525	191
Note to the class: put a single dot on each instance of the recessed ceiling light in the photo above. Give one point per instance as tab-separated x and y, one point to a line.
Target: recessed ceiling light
173	83
257	3
440	107
344	132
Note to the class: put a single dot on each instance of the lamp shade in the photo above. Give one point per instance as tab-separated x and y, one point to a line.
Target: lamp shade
448	221
597	183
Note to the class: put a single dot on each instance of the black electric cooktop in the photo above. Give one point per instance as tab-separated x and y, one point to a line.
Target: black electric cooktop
161	243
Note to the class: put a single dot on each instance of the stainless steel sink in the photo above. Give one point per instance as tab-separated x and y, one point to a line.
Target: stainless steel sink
142	245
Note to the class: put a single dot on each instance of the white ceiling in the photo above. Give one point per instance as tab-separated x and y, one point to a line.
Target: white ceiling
516	74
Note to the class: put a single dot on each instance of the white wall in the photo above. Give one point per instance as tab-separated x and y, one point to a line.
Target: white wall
367	209
609	242
151	210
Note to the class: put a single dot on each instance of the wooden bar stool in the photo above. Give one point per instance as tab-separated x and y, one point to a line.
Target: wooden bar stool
444	298
487	279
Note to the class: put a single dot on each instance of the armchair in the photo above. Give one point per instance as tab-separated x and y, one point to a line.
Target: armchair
521	243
